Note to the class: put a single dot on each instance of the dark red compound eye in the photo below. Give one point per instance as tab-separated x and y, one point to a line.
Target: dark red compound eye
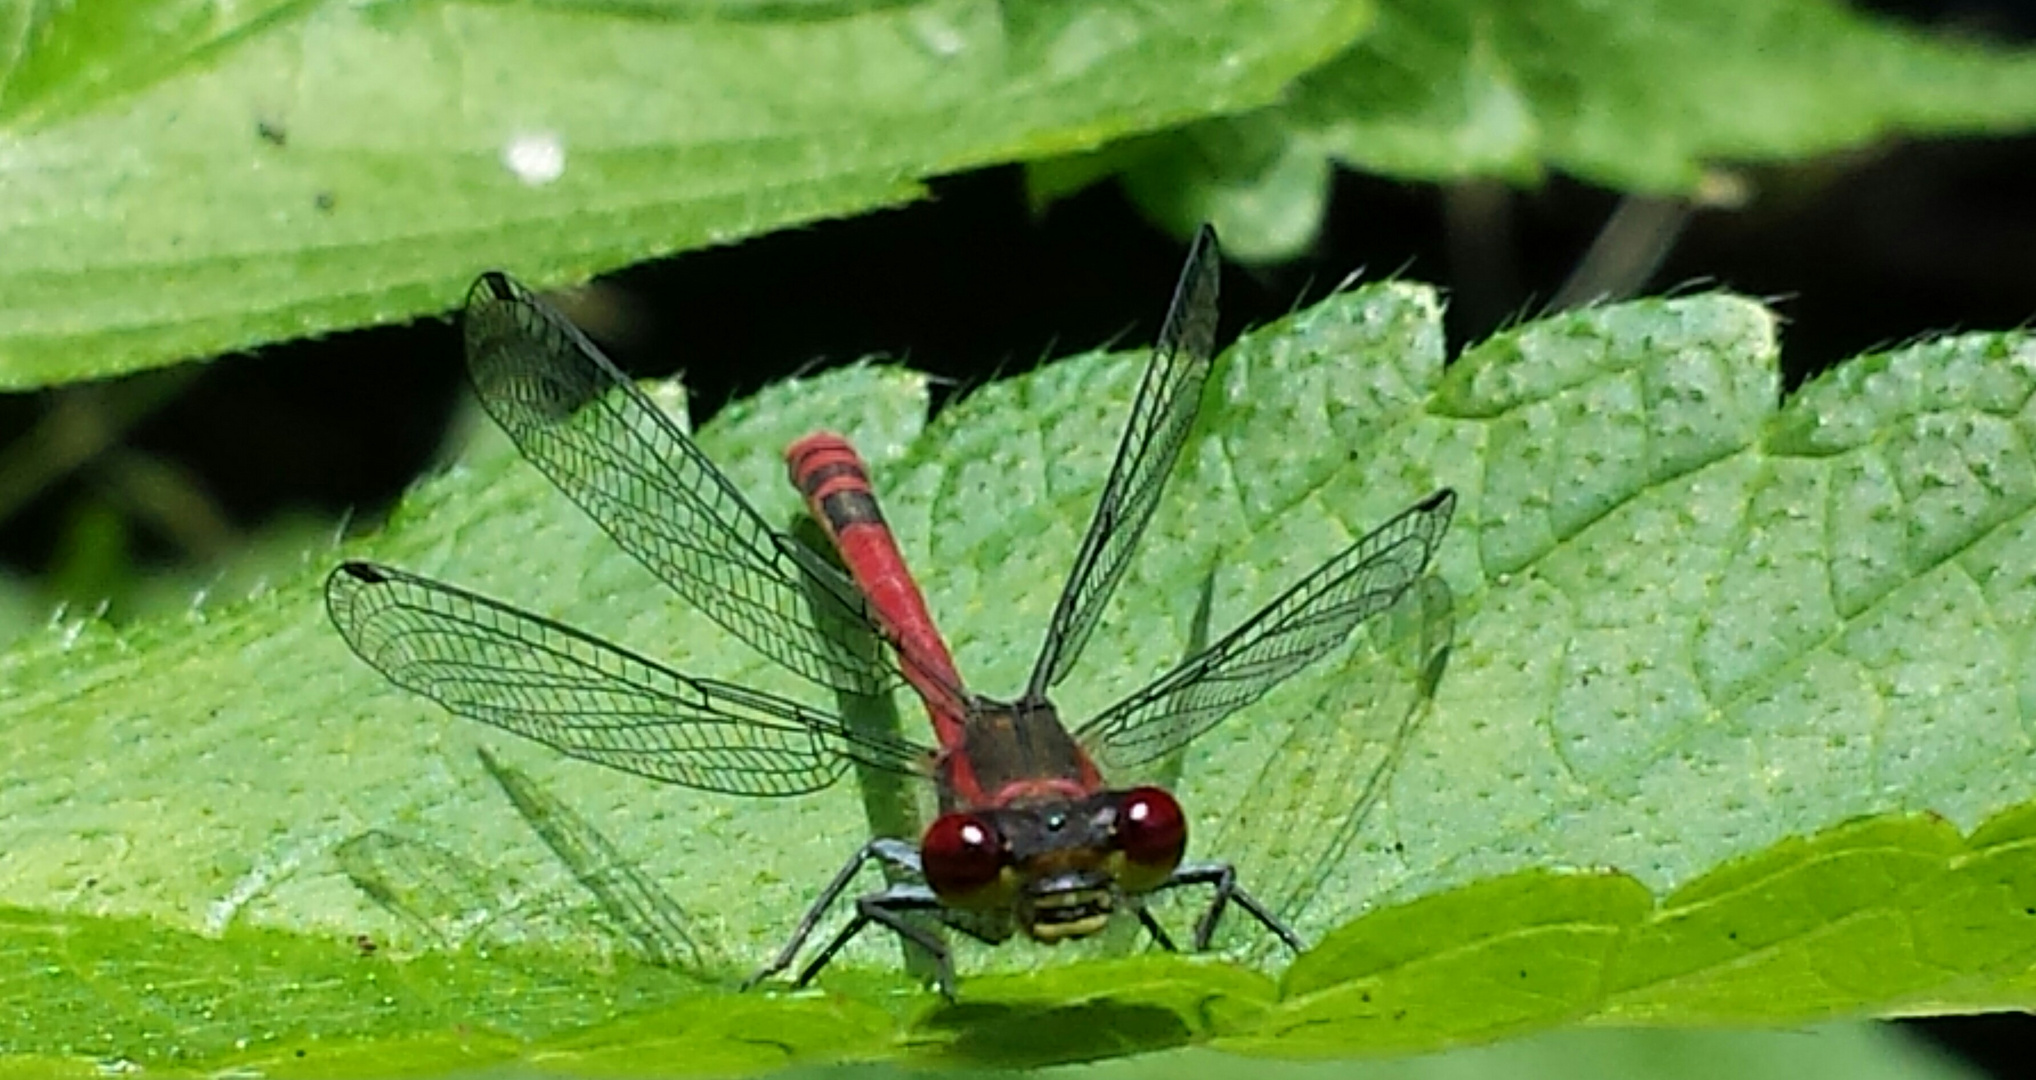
1151	830
961	854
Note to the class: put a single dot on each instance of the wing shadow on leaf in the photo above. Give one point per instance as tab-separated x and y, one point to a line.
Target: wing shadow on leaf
456	902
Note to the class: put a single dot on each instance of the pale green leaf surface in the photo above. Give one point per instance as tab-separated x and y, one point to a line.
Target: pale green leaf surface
1735	729
184	178
1640	96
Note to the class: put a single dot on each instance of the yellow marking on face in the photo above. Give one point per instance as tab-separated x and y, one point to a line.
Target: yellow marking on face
1135	878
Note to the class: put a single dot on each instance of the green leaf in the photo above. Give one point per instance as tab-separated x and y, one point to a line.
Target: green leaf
184	178
1732	731
1640	96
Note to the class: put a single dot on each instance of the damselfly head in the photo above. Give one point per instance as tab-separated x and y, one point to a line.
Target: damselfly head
1057	865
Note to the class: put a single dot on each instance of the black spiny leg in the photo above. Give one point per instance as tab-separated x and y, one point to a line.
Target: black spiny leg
888	909
894	852
1222	878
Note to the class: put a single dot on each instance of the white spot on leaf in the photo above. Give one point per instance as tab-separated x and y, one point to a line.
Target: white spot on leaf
537	158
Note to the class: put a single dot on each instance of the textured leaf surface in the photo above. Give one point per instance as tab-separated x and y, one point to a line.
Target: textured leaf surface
1735	730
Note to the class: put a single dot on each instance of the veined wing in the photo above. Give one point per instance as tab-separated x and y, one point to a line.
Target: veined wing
1305	623
1294	827
608	447
1161	415
585	698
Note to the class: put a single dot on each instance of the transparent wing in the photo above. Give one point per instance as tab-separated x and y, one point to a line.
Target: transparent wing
1293	829
607	446
1161	415
1306	622
536	678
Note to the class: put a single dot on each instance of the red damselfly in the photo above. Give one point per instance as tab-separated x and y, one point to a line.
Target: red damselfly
1030	837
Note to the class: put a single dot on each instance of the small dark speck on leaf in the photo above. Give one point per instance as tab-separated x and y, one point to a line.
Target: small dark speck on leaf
272	133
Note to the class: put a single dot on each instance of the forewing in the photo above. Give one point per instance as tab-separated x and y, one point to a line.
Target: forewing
608	447
583	697
1307	621
1161	416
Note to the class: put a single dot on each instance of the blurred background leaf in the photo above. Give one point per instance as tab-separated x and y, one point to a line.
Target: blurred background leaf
1640	97
307	167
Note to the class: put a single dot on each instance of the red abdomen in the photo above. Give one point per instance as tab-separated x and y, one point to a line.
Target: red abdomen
836	485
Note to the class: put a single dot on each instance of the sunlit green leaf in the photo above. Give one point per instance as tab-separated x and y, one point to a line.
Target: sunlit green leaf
1731	731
